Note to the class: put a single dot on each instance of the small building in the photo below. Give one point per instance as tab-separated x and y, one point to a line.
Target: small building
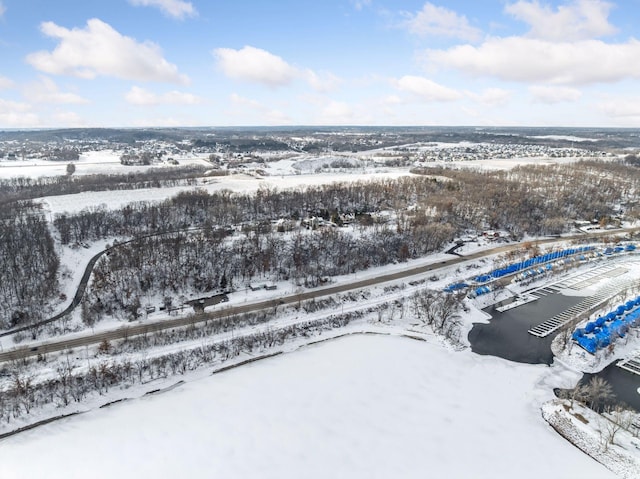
269	286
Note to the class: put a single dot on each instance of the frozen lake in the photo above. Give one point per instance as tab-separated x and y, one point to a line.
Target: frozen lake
357	407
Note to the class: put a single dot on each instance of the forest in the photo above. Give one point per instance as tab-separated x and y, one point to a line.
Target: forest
201	241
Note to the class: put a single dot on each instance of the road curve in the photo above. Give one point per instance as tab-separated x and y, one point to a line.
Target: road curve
82	286
150	327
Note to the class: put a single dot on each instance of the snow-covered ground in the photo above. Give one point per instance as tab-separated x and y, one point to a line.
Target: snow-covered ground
279	174
237	183
90	163
502	163
76	259
358	407
577	139
363	406
591	433
421	412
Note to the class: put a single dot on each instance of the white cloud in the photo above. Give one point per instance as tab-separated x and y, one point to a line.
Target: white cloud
140	96
7	106
579	20
337	113
98	49
277	117
425	89
491	96
480	117
533	60
621	108
439	21
392	100
46	91
266	115
5	83
2	9
17	115
245	102
323	82
255	65
168	121
554	94
68	119
337	109
173	8
360	4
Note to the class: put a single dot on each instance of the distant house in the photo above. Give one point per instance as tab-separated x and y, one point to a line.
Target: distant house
269	286
347	218
315	222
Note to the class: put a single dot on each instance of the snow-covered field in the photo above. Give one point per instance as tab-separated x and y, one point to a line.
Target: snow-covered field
503	163
564	137
237	183
90	163
278	174
357	407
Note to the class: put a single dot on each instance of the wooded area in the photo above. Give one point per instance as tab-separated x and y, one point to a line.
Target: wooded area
199	241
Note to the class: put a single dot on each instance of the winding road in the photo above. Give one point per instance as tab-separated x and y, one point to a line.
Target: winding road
123	332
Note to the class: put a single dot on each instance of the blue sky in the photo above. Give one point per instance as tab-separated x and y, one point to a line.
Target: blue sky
131	63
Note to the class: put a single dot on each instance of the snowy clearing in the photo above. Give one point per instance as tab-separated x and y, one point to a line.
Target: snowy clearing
106	162
239	183
357	407
502	163
564	137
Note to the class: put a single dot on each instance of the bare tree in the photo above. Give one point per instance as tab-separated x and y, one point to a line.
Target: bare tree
65	378
425	305
614	420
579	393
598	393
565	338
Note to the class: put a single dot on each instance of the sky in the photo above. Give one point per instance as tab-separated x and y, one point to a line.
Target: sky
146	63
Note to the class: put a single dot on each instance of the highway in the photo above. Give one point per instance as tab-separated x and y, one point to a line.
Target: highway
126	331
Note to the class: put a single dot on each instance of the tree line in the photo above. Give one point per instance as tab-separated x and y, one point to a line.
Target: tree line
178	264
124	363
28	266
536	200
22	188
24	393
